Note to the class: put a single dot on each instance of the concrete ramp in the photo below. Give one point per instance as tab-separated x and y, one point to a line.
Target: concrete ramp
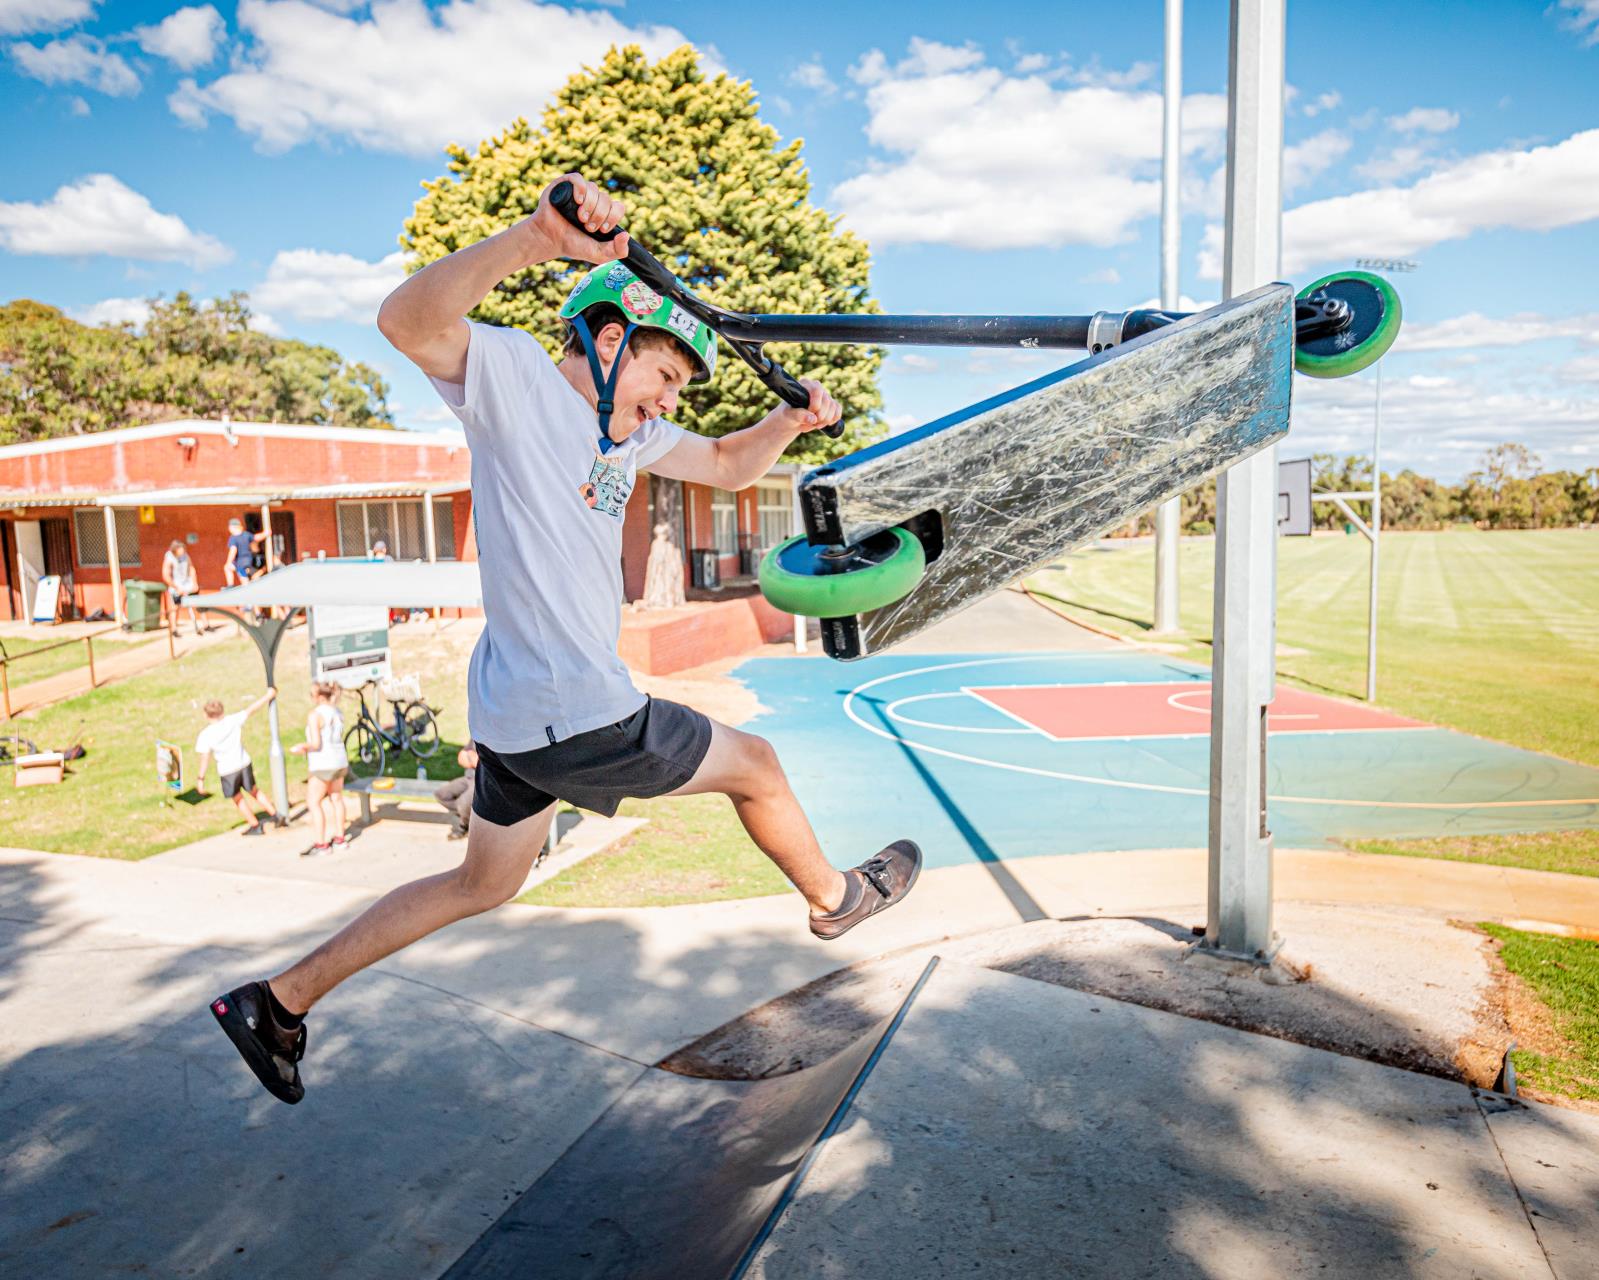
1006	1127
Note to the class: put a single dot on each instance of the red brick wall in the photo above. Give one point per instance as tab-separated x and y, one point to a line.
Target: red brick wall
122	464
315	528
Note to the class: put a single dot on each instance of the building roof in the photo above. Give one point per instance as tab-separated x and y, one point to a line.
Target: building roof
17	499
241	430
392	584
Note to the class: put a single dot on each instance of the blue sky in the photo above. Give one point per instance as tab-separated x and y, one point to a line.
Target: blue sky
998	158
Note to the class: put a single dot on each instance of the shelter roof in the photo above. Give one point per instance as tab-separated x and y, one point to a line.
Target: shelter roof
394	584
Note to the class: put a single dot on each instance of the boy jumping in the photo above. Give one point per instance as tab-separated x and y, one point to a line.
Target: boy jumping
555	451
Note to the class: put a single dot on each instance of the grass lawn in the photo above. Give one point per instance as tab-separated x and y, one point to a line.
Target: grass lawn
111	804
1573	852
1564	974
25	670
693	850
1496	634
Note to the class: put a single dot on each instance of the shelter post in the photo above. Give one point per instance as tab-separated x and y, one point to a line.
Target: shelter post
1168	516
266	525
1239	915
114	559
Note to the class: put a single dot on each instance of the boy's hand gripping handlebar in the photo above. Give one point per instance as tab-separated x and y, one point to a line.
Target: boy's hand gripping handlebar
647	268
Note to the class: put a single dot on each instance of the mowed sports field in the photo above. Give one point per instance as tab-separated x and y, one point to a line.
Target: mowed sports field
1495	634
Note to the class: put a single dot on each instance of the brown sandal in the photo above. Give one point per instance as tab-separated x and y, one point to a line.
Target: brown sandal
875	885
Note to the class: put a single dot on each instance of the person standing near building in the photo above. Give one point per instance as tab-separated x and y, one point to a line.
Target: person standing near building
327	762
177	571
239	565
223	740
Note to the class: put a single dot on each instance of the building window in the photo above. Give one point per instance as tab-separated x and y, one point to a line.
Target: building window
775	508
399	524
89	526
724	522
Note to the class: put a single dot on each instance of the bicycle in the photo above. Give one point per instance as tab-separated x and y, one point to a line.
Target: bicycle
13	745
415	728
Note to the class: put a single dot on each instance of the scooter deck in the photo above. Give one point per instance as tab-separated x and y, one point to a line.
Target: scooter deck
1002	488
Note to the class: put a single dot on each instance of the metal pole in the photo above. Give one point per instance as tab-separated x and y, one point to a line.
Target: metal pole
1239	920
1168	516
114	557
1376	532
429	528
266	525
797	528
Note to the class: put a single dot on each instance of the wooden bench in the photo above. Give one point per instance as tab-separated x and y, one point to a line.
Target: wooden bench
412	789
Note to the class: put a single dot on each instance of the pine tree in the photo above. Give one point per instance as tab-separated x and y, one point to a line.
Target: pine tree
709	191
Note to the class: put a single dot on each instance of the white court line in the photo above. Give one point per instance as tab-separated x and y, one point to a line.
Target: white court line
1175	705
892	712
1151	786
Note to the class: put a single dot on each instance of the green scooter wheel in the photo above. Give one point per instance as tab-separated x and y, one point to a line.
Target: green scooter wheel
838	582
1370	333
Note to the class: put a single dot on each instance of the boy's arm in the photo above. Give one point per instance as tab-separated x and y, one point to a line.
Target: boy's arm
425	318
205	764
737	461
261	701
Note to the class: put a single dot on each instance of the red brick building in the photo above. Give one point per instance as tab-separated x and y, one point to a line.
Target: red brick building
327	491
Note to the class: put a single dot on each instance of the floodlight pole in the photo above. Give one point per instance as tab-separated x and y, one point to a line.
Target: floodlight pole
1376	534
1168	516
1239	923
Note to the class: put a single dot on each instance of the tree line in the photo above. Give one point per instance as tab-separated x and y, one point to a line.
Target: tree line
188	360
1508	489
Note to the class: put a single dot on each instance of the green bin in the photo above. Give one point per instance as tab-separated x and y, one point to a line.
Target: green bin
142	604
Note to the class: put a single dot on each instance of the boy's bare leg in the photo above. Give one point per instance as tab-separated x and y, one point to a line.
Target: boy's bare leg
496	865
745	768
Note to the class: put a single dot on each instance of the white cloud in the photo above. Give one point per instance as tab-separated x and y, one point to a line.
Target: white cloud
1583	19
112	311
813	75
187	39
1031	63
1105	78
77	60
911	362
1441	426
1324	102
1425	120
1477	330
405	79
1397	163
970	143
1317	153
1582	369
1105	275
1534	190
78	107
28	17
99	215
309	284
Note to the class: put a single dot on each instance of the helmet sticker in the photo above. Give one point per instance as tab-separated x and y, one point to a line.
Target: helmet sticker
640	299
617	276
683	323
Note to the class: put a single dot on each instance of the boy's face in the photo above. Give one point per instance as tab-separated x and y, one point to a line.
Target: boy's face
648	387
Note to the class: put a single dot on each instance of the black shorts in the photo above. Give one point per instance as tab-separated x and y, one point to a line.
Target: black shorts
655	750
233	783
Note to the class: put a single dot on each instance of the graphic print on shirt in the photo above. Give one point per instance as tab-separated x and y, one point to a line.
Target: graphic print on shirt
607	488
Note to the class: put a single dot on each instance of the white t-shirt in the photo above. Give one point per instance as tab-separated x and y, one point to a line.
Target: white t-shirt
330	727
181	572
224	739
548	511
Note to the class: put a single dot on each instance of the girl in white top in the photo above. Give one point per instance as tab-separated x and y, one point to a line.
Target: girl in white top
325	757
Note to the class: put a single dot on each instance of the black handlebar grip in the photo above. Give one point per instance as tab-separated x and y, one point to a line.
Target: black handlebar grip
795	396
565	204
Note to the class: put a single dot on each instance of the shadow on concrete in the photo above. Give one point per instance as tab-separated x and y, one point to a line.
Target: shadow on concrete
132	1140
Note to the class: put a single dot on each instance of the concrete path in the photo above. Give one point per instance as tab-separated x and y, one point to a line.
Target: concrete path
1025	625
447	1079
128	659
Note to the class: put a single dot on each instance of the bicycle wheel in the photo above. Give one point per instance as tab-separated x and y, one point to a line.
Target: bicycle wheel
365	749
12	746
421	734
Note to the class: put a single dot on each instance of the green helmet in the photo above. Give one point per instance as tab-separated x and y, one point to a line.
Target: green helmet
616	284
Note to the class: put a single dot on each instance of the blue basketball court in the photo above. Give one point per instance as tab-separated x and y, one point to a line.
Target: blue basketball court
1001	756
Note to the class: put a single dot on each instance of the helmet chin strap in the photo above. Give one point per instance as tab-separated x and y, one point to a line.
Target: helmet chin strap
604	384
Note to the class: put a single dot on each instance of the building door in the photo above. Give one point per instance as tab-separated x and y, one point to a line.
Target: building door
13	571
285	547
55	535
